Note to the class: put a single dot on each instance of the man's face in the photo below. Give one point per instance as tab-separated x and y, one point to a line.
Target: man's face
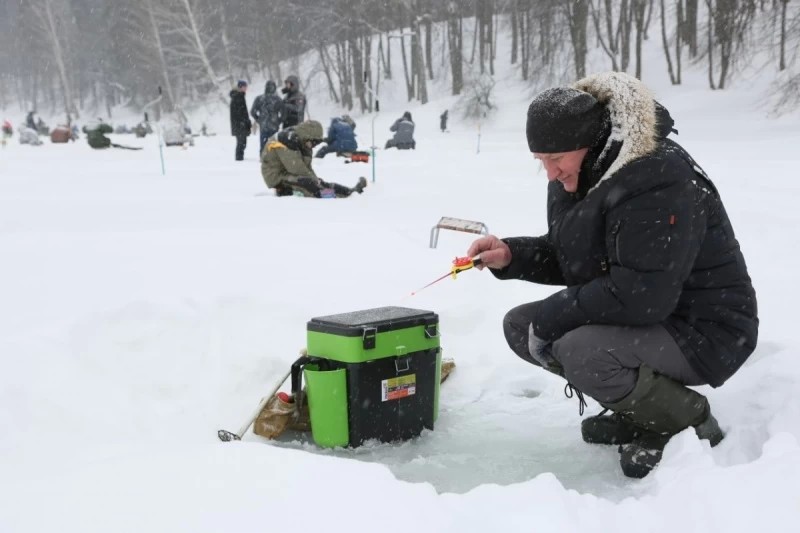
563	166
288	85
243	88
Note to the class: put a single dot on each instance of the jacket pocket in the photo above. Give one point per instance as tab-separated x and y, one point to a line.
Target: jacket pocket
643	240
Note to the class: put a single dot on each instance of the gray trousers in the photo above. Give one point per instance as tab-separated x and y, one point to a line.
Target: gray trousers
603	361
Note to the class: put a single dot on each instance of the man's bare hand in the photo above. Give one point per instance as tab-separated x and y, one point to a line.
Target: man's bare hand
494	252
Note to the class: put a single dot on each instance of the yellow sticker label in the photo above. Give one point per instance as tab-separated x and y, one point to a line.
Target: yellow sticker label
399	387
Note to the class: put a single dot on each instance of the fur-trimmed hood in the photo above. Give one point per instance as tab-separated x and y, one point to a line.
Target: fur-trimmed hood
638	122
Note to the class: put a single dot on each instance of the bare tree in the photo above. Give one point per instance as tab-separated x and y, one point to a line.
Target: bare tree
357	63
418	62
87	54
226	47
155	33
344	73
639	12
366	46
484	23
427	21
408	77
326	68
455	44
782	60
614	28
477	101
731	21
689	26
577	12
53	24
786	95
184	23
710	34
525	23
674	72
386	59
514	31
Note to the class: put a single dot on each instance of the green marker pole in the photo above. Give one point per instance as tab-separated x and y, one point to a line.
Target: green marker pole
377	110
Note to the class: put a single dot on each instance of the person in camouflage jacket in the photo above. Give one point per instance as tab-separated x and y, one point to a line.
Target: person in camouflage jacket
96	134
286	165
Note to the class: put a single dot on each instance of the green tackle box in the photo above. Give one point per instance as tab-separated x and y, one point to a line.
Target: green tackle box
371	374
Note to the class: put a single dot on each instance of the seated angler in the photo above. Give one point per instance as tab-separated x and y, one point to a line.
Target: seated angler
341	137
403	129
286	165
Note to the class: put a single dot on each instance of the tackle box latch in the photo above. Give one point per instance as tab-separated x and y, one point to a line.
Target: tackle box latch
368	338
431	328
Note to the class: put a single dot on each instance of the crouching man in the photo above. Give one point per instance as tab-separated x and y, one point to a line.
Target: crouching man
657	295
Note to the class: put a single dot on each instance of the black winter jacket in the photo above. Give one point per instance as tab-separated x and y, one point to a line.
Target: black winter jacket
294	108
267	109
240	120
645	240
294	104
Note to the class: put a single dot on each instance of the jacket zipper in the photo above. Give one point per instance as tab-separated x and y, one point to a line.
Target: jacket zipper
615	232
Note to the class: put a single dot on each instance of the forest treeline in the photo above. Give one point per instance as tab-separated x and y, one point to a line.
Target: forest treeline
72	55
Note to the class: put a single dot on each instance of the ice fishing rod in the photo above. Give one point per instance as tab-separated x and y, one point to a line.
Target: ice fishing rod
226	436
460	264
147	106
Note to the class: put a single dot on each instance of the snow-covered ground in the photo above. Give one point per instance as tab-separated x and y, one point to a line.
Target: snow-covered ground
139	313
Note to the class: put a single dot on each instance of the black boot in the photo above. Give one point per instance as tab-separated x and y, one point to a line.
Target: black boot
640	456
661	407
608	429
361	185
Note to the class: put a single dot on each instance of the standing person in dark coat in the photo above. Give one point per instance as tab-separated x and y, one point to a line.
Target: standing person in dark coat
443	121
294	102
240	121
403	129
267	110
657	292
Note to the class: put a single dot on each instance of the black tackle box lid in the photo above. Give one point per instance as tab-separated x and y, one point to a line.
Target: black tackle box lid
381	318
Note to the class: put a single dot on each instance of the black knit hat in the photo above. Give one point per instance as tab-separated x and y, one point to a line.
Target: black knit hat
562	120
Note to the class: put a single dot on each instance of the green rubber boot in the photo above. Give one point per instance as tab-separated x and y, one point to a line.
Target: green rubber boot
660	407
